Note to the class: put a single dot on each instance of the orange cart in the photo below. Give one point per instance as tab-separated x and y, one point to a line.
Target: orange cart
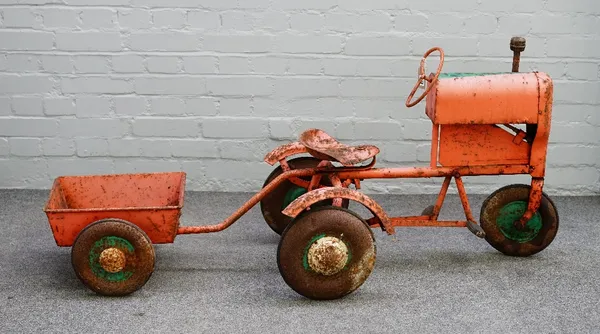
482	124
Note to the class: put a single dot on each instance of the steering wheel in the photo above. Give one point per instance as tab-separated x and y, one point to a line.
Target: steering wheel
431	79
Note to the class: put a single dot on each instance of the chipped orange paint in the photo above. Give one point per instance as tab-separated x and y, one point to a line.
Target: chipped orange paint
322	146
283	151
306	200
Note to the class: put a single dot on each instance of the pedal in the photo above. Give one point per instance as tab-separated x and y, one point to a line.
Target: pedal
475	229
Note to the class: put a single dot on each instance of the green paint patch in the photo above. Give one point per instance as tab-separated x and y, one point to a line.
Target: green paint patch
305	255
291	195
469	74
512	212
94	258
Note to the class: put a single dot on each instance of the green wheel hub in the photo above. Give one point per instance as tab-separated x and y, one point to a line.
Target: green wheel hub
512	212
109	242
291	195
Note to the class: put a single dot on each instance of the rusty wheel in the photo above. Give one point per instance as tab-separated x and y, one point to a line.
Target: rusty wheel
275	201
326	253
507	204
113	257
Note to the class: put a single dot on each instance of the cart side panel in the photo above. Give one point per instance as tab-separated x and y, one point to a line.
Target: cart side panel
160	224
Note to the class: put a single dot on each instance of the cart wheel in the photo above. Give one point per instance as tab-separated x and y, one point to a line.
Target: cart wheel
113	257
507	204
326	253
275	201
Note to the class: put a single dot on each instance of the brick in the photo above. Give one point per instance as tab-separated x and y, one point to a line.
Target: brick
381	46
92	127
98	18
376	130
28	127
26	40
235	107
164	41
206	20
88	41
340	66
400	152
170	86
165	127
54	18
91	64
155	148
236	169
163	65
307	21
274	21
326	106
309	66
168	18
378	22
269	65
150	165
580	6
204	106
417	129
58	147
424	152
198	148
91	147
59	106
24	84
307	4
19	18
574	155
410	22
573	47
130	105
238	20
456	46
28	173
379	67
234	128
515	24
200	65
167	106
582	71
95	2
302	125
280	129
572	176
239	86
79	166
57	64
574	134
237	43
249	150
573	113
208	4
301	87
133	19
4	147
481	24
374	87
5	106
319	44
449	23
234	65
27	106
25	147
125	147
92	106
446	6
128	64
576	92
22	63
103	85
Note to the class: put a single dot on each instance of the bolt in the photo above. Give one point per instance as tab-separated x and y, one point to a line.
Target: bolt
517	45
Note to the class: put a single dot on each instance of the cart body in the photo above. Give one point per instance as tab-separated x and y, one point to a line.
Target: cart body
151	201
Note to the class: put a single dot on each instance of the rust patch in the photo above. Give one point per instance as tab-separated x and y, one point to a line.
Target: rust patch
322	146
327	255
112	260
284	151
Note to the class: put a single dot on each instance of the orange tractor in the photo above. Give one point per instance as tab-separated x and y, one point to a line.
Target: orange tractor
327	251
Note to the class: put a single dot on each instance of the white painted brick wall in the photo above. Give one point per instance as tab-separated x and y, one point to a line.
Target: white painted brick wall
210	86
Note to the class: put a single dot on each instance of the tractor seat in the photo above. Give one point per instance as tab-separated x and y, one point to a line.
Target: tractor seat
322	146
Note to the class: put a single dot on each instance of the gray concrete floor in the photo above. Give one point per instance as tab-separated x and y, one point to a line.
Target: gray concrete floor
425	279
